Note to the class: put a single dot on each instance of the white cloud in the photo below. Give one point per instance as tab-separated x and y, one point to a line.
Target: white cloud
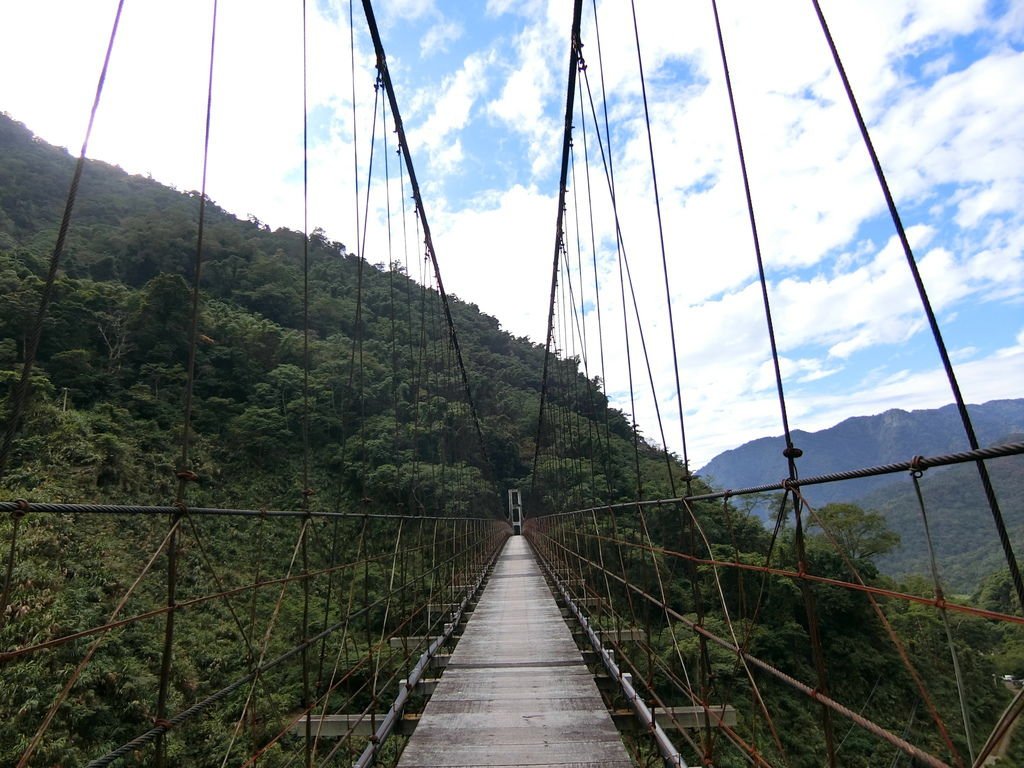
530	100
491	245
407	10
527	8
439	36
452	107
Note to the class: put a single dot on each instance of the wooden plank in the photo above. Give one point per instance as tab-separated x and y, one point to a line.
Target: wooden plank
624	635
515	690
679	717
584	602
412	641
439	661
337	726
451	607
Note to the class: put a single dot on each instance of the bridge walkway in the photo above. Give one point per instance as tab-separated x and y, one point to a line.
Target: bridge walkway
516	691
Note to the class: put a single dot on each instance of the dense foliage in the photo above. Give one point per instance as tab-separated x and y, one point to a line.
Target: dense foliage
384	396
965	538
767	614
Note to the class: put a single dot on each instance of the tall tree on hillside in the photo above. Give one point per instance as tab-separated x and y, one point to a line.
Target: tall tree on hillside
862	534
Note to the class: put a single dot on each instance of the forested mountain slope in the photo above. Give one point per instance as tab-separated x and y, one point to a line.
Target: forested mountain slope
959	518
111	365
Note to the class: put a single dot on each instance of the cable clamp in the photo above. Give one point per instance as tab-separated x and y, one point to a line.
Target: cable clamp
916	468
23	509
164	723
186	474
792	452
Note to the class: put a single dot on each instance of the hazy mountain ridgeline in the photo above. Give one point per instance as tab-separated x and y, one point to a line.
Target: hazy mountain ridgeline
961	525
388	429
863	441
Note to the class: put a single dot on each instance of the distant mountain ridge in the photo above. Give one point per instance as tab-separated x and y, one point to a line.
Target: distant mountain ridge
962	529
863	441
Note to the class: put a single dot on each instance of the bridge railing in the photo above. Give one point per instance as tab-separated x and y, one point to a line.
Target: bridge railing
709	610
273	619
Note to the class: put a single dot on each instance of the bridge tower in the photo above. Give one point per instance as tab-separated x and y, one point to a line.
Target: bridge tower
515	511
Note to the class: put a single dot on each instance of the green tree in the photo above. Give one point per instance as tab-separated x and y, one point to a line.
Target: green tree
861	534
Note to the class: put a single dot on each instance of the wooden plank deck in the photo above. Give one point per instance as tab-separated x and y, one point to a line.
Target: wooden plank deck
516	691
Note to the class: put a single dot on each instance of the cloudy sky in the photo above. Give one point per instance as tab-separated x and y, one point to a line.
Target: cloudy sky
482	87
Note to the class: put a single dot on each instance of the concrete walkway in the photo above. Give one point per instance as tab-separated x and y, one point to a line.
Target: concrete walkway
516	691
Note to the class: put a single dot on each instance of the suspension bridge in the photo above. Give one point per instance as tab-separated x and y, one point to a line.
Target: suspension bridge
390	615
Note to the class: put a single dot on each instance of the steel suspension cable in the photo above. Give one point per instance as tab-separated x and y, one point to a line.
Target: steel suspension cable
890	631
76	674
661	243
579	331
597	296
185	473
382	68
307	490
791	452
574	56
626	277
770	570
940	599
813	694
965	417
21	389
201	706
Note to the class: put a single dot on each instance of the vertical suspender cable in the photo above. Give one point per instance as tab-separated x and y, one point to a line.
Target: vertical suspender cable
385	75
611	180
791	452
306	490
185	473
965	417
20	394
664	258
574	53
691	568
625	276
940	599
597	295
